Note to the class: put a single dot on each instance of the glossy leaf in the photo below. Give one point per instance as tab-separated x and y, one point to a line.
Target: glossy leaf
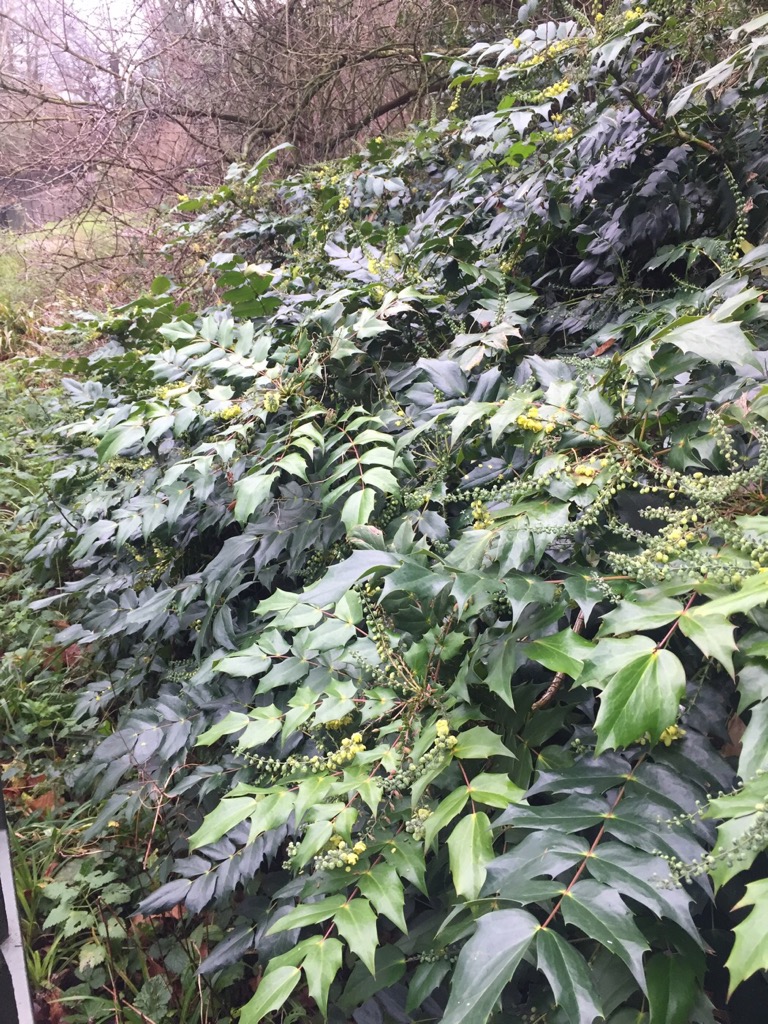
568	974
470	849
601	914
487	964
274	988
642	697
356	923
750	948
321	965
672	988
382	886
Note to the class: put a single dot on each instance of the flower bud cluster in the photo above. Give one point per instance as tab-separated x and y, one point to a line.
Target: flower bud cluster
531	420
417	499
482	518
444	743
435	955
563	134
338	854
743	848
231	412
350	746
335	724
415	825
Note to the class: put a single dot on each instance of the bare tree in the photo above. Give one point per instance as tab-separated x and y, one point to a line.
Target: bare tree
112	108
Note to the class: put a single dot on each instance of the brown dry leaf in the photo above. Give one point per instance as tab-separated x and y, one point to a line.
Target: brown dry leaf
44	802
174	913
72	655
604	347
736	729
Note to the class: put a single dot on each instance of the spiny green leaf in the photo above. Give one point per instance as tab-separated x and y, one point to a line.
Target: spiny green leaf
642	697
408	860
445	812
751	593
250	661
307	913
567	973
713	636
480	742
470	849
635	616
467	415
754	742
225	816
750	948
358	507
712	340
487	963
263	724
672	988
234	721
602	915
609	656
118	439
251	492
345	574
356	922
425	980
637	874
494	790
273	990
390	967
564	652
321	966
382	886
314	839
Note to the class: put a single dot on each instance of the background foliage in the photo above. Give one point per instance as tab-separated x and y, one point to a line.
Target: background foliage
417	584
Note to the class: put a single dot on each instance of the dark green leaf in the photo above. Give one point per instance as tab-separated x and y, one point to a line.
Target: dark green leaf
568	974
487	963
672	988
601	914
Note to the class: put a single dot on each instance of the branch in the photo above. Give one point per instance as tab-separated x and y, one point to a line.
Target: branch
385	108
553	688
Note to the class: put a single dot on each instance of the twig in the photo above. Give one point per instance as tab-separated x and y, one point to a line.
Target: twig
559	679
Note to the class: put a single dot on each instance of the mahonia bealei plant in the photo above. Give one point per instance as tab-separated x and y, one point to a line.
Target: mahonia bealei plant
418	571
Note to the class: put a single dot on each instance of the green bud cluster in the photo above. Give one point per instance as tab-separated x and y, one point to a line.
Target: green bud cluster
308	764
436	955
415	824
724	439
440	750
417	499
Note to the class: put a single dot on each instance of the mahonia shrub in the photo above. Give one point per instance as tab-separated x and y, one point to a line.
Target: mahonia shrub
422	573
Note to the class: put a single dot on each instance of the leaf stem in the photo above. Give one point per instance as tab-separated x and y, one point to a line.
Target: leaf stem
593	847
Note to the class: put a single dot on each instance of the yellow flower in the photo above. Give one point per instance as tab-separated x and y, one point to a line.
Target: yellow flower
670	734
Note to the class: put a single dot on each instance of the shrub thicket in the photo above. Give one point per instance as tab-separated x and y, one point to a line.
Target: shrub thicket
422	577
